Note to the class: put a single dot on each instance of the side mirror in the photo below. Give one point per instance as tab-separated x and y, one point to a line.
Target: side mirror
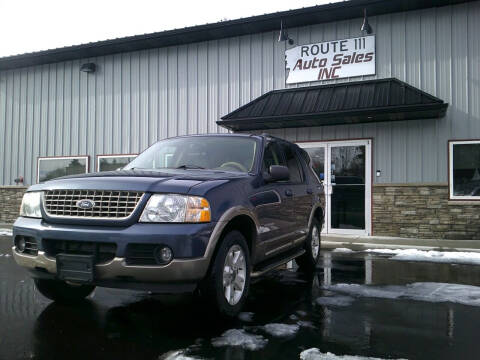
277	173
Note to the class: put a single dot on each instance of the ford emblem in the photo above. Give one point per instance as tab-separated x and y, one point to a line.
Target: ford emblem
85	204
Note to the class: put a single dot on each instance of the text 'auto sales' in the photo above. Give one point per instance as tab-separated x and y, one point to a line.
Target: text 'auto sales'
331	60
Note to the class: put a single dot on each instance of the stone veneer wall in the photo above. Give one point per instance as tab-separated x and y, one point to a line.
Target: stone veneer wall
10	198
423	211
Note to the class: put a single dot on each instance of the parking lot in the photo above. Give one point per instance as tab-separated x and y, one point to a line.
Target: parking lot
357	304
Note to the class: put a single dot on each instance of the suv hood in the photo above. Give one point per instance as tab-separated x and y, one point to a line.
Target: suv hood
172	180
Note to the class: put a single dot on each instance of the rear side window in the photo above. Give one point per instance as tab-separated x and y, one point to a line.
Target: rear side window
292	164
272	156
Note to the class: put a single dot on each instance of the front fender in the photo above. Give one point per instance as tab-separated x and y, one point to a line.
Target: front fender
223	222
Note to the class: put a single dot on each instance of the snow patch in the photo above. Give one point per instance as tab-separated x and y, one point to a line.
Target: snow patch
337	300
342	250
238	337
5	232
316	354
177	355
430	292
383	251
281	330
306	324
301	313
246	316
458	257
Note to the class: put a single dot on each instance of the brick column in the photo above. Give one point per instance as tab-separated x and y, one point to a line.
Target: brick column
10	198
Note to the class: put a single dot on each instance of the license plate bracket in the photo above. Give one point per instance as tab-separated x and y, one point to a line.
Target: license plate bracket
78	268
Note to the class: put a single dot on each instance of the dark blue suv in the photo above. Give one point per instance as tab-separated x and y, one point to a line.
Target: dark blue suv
204	213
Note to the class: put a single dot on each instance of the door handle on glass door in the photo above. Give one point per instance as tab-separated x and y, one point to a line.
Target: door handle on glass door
288	192
329	190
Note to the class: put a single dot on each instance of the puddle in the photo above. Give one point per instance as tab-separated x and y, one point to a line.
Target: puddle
358	305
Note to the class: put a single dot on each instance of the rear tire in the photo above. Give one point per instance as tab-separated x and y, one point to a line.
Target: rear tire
308	261
61	291
227	284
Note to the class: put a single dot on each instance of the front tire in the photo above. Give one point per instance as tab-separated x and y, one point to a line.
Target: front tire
61	291
308	261
227	285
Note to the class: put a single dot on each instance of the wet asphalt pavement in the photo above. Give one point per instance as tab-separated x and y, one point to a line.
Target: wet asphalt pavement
121	324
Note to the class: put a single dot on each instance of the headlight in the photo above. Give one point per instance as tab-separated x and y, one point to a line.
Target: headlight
31	204
163	208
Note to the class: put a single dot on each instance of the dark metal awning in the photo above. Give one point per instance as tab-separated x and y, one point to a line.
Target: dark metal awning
334	104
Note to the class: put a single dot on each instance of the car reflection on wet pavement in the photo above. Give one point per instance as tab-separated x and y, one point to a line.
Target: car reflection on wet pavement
377	315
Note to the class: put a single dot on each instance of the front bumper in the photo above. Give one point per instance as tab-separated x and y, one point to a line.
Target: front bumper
188	241
177	271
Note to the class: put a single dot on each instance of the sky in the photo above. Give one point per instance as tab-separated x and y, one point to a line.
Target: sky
34	25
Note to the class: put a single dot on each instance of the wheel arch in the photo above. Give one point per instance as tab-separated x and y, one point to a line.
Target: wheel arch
239	219
317	213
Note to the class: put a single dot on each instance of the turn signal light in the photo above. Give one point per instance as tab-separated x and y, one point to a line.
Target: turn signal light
198	210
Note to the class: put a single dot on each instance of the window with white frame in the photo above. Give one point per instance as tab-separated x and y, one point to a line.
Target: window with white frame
53	167
113	162
464	169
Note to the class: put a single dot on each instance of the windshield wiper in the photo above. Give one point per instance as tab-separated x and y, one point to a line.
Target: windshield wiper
189	166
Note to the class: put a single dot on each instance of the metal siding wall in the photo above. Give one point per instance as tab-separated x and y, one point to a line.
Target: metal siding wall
137	98
3	124
223	105
473	70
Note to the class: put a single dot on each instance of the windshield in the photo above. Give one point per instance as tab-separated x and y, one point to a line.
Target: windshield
226	153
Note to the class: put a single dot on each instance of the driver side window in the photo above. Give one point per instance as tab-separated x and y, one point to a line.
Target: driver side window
272	156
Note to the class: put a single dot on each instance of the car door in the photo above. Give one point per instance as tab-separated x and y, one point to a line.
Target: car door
302	193
274	206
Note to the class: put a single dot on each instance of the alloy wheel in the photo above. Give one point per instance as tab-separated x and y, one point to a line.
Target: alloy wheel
315	243
234	275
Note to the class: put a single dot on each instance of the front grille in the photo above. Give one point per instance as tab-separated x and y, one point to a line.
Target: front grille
108	204
141	254
103	252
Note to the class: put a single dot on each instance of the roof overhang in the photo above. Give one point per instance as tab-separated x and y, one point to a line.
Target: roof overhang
335	104
342	10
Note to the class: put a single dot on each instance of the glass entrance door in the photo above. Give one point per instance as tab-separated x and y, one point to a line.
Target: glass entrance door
345	169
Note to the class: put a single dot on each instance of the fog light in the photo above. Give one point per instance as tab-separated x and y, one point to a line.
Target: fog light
21	244
166	254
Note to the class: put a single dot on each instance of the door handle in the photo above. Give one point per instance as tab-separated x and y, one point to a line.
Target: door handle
309	191
288	192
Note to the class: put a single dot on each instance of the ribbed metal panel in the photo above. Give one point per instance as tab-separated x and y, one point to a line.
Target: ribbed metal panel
337	103
139	97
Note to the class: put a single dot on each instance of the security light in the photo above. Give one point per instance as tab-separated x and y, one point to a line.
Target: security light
283	36
88	68
366	28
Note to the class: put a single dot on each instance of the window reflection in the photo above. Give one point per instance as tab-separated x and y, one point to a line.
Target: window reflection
348	164
466	169
51	168
111	163
318	160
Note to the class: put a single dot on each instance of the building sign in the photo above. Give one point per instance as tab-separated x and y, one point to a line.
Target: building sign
331	60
